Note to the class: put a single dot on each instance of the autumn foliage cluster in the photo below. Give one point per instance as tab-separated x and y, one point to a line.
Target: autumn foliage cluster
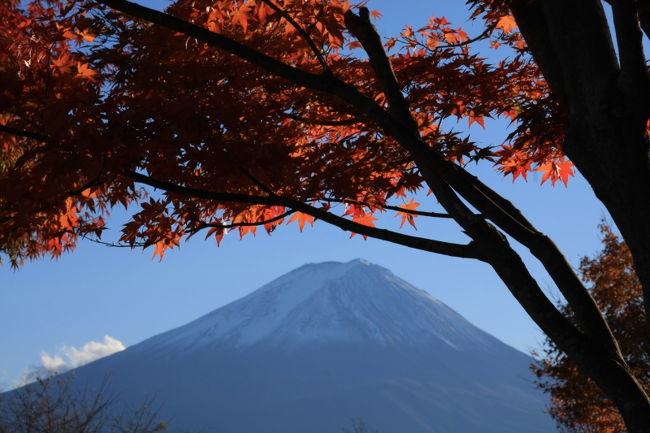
89	95
578	405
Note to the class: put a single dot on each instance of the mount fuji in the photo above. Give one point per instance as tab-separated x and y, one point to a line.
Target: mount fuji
324	344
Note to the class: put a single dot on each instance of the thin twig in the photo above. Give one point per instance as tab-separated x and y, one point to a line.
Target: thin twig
257	182
483	35
324	122
229	226
387	207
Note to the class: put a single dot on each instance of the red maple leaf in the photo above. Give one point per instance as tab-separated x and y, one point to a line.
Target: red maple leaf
411	205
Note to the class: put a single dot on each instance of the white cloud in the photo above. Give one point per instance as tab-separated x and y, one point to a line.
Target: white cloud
69	357
53	363
66	358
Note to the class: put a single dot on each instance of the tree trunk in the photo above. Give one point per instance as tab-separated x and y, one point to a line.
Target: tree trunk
606	93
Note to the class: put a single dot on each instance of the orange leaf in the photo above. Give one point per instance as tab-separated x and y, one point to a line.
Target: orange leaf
560	170
462	35
354	44
507	24
366	220
547	169
263	11
87	36
411	205
565	170
245	229
218	233
161	247
478	119
85	72
452	37
302	219
68	34
241	16
63	63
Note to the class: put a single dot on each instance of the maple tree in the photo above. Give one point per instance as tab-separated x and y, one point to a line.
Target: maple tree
577	403
242	114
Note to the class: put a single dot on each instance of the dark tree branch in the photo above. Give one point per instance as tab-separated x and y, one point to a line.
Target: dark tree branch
512	270
643	7
361	27
600	356
510	219
417	212
428	161
608	369
440	247
22	133
200	193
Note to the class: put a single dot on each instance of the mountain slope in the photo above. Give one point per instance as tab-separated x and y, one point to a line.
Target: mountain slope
321	345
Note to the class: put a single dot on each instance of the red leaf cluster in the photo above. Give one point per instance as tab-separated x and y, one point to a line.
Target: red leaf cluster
89	94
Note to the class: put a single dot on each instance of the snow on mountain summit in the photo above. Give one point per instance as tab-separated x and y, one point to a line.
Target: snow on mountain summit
330	301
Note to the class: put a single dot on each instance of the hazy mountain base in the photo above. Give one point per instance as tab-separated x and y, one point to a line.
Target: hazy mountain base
318	389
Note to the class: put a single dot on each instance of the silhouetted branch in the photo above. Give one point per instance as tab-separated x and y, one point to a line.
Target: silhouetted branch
440	247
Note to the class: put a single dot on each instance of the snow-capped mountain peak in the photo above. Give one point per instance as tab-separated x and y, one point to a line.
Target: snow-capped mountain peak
330	301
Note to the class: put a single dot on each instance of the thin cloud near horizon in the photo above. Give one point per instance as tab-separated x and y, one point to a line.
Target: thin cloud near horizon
70	357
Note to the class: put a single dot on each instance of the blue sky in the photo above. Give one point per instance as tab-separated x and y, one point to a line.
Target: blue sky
97	291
